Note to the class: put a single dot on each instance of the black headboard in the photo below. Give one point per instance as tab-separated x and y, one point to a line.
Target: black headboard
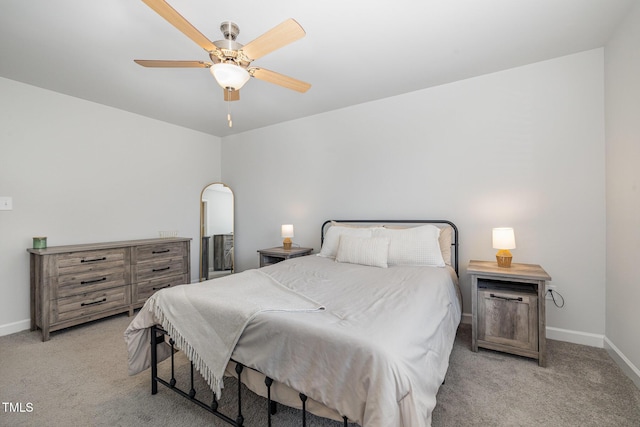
454	240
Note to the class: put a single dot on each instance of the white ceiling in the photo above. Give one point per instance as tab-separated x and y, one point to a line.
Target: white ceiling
355	51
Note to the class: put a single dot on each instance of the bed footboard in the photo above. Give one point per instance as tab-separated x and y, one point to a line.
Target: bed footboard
158	336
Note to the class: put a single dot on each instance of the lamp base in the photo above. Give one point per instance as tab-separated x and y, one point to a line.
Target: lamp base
286	243
504	258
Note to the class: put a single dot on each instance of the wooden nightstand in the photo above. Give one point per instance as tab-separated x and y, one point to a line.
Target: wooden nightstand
508	308
275	255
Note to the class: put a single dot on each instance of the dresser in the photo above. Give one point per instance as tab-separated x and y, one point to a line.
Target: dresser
75	284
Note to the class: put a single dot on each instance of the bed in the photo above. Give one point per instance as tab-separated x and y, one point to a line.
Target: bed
360	332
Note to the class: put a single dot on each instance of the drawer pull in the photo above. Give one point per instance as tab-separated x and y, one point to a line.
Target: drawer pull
161	269
93	303
164	251
94	260
162	287
505	298
84	282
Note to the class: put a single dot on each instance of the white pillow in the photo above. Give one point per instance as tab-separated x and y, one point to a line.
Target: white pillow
413	246
372	251
446	238
332	237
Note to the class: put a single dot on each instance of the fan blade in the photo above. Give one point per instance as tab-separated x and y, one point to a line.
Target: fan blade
163	9
231	95
280	79
172	64
277	37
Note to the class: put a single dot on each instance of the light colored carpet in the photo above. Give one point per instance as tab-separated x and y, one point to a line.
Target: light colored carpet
79	378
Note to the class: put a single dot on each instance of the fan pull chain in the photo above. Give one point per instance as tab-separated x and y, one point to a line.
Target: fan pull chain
229	108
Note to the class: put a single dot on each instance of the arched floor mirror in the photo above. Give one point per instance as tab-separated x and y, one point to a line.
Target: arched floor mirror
216	231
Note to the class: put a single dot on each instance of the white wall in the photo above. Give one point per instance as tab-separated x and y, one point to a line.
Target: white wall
622	69
81	172
522	148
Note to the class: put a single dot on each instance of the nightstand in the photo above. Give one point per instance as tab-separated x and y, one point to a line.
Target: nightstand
275	255
508	310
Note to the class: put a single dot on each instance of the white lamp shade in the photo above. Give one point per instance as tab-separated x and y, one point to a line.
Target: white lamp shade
287	230
229	76
504	238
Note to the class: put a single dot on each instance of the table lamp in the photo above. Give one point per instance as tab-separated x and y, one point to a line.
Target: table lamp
287	234
503	240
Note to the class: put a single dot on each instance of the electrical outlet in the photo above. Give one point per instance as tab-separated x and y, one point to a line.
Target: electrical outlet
552	288
6	203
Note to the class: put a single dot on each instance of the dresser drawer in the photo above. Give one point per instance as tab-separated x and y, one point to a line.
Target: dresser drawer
143	290
85	261
74	284
89	303
160	250
158	269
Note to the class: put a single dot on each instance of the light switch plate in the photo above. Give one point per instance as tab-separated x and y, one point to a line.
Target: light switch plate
6	203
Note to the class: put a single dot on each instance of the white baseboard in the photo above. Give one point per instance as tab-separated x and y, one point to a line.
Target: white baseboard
12	328
621	360
576	337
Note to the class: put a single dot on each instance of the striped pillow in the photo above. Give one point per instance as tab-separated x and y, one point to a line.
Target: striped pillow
372	251
332	237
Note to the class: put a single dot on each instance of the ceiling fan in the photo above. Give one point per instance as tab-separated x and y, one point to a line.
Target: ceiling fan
231	61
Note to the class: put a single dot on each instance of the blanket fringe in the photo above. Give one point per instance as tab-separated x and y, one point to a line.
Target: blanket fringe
215	383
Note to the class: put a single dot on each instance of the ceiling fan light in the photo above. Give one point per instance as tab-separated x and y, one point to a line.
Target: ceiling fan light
229	76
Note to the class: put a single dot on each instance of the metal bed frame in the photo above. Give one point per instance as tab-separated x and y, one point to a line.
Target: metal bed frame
158	337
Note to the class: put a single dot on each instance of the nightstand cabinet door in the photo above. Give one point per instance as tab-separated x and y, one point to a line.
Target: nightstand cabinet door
508	318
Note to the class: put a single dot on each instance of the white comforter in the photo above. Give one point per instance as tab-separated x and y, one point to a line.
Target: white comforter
377	353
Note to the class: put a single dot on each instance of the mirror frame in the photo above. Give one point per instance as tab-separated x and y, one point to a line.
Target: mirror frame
233	266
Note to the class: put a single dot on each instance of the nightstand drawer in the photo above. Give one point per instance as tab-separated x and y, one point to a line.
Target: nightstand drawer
508	318
278	254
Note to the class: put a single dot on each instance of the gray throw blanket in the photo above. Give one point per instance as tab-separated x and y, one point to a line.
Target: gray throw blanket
206	319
